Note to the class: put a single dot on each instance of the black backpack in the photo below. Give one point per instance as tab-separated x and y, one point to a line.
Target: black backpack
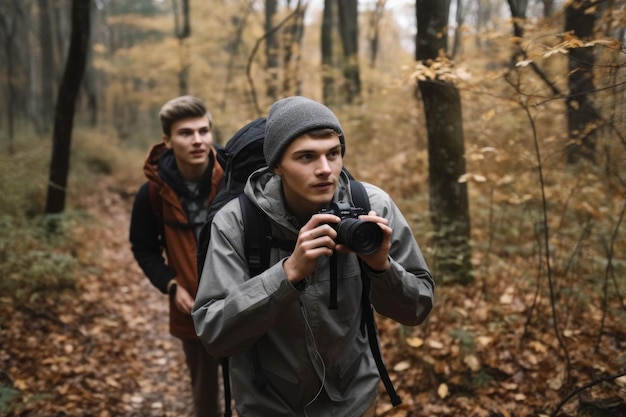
242	155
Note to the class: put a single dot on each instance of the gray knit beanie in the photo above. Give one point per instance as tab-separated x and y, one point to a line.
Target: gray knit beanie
292	117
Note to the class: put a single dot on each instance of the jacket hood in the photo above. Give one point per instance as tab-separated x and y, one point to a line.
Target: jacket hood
151	164
264	188
160	167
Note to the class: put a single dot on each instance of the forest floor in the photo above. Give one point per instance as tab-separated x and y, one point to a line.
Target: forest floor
103	348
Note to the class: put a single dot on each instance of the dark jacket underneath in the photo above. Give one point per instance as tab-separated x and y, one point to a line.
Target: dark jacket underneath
180	241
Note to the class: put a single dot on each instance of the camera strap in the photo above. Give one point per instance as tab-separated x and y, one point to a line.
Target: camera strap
332	302
257	229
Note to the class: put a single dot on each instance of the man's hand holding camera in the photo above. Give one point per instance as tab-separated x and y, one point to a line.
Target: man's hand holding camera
379	260
340	228
316	238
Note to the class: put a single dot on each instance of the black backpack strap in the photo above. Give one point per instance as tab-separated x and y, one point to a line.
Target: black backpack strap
359	195
258	239
372	336
156	204
203	247
361	199
257	236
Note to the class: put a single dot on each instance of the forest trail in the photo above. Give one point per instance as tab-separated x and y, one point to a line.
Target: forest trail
162	384
104	349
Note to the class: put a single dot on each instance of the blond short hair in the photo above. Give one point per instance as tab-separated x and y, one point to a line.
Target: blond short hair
182	107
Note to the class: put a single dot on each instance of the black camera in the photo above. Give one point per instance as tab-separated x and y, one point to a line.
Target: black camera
360	236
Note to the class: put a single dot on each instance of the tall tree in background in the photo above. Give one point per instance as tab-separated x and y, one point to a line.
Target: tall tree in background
458	31
9	21
484	12
182	28
582	117
66	105
518	12
48	75
373	35
449	206
548	8
239	22
61	26
292	35
271	51
326	44
349	31
90	86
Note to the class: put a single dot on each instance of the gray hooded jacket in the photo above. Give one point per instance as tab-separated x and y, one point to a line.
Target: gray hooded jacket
315	360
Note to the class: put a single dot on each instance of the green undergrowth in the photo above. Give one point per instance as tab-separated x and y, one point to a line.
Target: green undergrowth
40	252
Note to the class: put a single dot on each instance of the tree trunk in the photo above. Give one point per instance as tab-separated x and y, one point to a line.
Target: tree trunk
518	12
66	105
234	46
48	76
61	35
458	34
349	31
34	90
484	14
373	38
292	47
90	83
548	8
449	206
8	30
582	117
271	51
328	63
182	30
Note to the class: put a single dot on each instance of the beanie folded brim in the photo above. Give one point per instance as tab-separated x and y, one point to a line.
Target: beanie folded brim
291	118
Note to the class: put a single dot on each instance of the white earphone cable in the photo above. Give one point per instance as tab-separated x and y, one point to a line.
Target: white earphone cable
317	354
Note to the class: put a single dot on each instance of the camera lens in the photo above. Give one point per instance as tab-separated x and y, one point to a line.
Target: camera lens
361	237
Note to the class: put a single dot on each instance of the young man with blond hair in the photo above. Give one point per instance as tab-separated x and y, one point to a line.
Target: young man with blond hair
169	209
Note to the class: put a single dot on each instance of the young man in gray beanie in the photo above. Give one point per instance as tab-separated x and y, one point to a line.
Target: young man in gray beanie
314	360
183	177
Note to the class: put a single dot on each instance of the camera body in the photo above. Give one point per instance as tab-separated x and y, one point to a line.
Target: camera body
360	236
343	210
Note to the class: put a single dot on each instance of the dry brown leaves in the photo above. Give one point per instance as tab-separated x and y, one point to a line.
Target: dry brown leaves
104	350
483	359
